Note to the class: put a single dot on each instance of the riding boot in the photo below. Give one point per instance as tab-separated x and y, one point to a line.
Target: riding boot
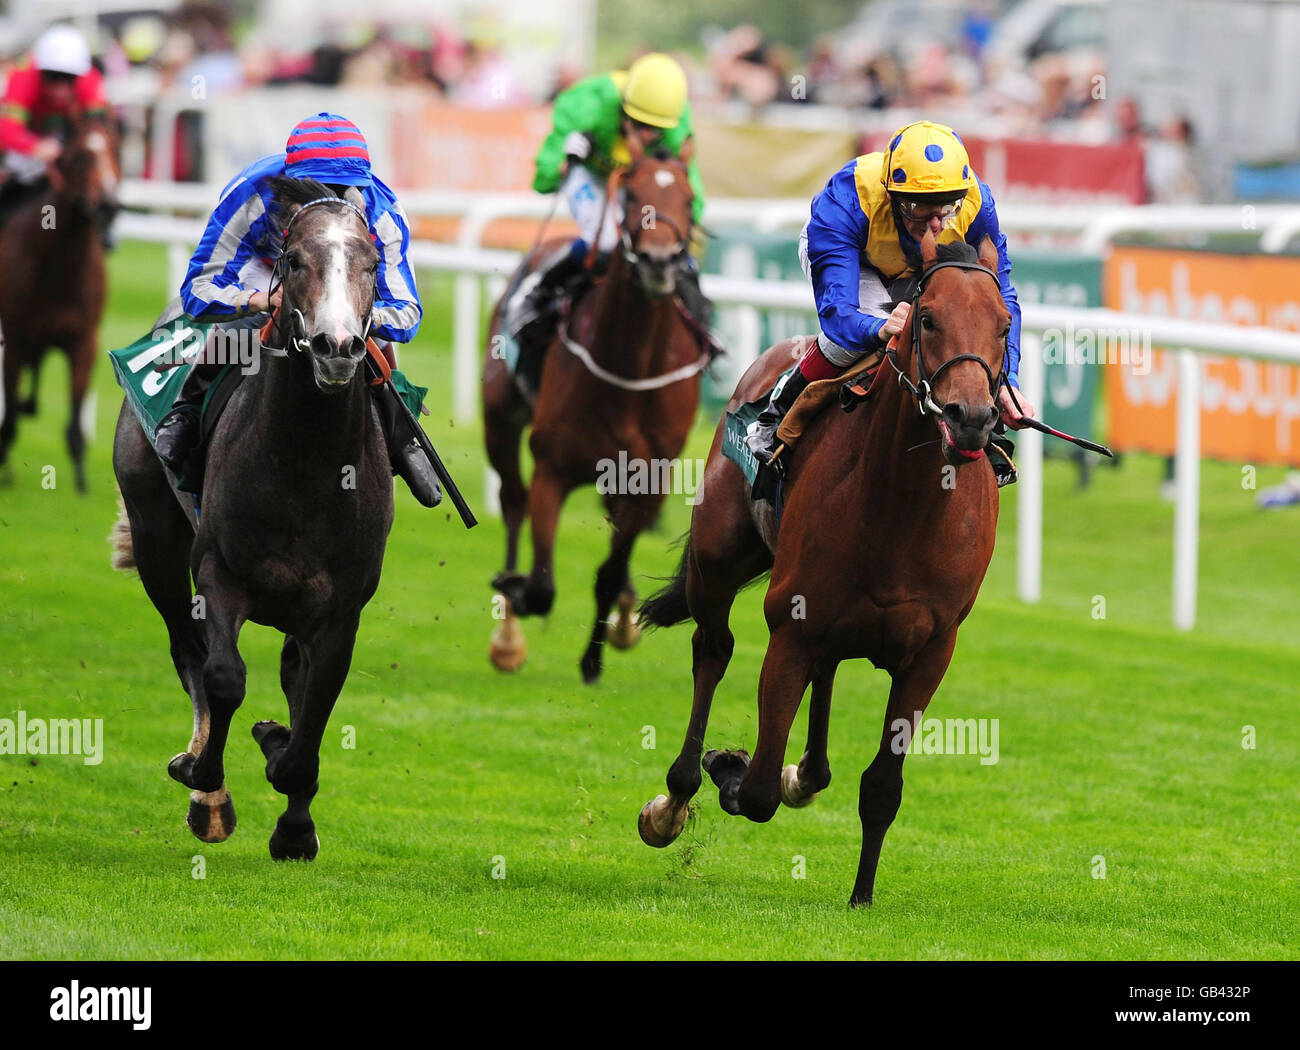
405	452
699	307
178	430
761	435
535	308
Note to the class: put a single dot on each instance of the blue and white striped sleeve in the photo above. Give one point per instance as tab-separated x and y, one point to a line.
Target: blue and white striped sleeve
986	225
211	290
397	302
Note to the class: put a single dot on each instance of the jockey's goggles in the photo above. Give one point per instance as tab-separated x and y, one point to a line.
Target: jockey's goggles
921	210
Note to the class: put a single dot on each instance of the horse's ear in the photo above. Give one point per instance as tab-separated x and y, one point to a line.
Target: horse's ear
988	254
928	249
687	150
353	196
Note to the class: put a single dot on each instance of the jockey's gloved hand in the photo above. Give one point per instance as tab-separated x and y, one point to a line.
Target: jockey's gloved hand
577	146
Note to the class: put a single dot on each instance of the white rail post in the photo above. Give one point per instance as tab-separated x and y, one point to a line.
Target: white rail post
1187	484
1029	464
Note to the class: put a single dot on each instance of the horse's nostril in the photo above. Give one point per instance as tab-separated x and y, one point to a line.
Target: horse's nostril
325	345
954	413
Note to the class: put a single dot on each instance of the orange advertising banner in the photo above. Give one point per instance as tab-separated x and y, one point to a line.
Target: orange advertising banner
1250	410
450	147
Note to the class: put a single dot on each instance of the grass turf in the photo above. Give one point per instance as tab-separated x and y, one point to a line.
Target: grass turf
1120	743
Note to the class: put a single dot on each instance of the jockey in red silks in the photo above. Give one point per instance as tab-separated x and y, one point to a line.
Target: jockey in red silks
39	103
229	278
863	236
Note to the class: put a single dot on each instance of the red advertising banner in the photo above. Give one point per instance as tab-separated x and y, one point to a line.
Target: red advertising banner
1055	172
1250	410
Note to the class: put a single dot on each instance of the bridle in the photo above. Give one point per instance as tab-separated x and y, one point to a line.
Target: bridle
923	388
298	324
627	240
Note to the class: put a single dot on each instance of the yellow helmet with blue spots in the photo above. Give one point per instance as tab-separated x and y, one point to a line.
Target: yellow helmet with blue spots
926	158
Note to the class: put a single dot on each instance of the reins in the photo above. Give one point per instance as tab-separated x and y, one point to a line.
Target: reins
922	390
298	324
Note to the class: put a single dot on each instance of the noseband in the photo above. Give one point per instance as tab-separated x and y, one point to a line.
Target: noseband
297	323
923	388
626	238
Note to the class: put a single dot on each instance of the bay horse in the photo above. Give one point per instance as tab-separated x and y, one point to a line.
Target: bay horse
628	396
53	291
297	504
883	542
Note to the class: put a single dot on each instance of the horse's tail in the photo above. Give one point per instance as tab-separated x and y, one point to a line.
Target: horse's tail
668	606
120	538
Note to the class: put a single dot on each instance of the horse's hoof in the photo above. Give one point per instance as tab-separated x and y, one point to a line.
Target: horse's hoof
508	650
726	769
211	816
270	736
860	901
286	848
590	666
624	630
791	793
659	823
181	769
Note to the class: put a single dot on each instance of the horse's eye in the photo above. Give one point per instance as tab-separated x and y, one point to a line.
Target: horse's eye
927	322
294	262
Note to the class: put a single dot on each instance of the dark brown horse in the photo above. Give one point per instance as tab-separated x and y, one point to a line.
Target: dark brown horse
297	503
632	401
884	540
52	294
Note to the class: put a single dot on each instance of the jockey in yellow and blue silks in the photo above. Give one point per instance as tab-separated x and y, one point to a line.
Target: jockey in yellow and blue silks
865	233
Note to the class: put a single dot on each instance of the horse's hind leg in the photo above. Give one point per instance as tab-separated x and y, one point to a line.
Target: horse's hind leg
293	755
160	547
713	576
629	515
881	792
800	784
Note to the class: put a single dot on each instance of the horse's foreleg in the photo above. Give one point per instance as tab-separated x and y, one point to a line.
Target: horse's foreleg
787	668
81	358
629	515
313	674
545	498
224	676
881	791
11	355
800	784
508	649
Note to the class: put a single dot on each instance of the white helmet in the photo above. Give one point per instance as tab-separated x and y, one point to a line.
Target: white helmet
61	49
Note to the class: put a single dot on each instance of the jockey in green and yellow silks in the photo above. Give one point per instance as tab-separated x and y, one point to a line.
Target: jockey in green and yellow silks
591	125
864	233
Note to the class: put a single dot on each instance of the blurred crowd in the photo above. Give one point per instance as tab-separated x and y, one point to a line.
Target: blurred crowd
951	67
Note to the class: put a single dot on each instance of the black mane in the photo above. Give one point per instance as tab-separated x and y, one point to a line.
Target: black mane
288	191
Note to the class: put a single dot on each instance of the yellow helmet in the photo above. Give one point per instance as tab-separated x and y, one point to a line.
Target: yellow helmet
926	158
655	91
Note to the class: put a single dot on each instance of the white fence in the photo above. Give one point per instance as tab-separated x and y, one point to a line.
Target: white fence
474	264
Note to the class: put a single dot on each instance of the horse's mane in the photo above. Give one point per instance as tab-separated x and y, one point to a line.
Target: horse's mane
956	251
287	191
